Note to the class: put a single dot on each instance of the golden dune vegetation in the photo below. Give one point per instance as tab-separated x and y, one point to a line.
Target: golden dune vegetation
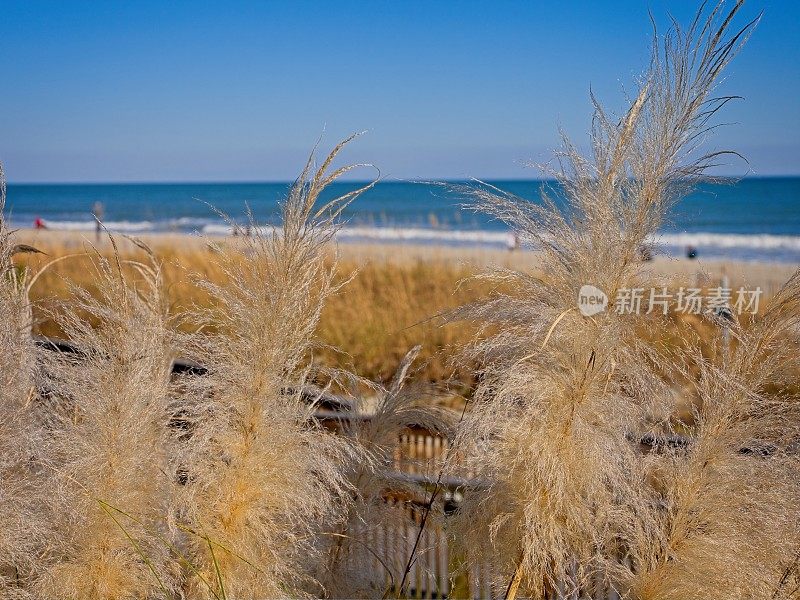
384	309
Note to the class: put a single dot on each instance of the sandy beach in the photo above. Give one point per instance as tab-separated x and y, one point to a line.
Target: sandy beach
769	276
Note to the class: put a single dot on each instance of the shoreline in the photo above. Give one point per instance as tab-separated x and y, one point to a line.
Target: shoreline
765	274
754	246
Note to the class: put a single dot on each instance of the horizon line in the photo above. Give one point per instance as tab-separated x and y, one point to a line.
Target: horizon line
428	180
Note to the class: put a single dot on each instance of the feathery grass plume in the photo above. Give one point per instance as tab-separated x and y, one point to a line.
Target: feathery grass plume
21	532
380	497
107	442
729	513
563	491
262	476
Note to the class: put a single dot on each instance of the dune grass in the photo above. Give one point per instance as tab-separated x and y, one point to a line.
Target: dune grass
105	452
21	534
219	484
263	477
384	310
568	502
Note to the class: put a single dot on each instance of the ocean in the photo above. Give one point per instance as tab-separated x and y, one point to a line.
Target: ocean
754	219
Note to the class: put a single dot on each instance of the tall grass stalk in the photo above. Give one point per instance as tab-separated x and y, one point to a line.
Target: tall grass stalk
21	531
565	493
263	477
729	505
105	440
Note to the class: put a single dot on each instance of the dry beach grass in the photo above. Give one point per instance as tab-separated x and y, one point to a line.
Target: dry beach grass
568	503
389	306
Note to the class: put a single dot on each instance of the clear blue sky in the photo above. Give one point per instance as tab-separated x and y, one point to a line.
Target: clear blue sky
170	91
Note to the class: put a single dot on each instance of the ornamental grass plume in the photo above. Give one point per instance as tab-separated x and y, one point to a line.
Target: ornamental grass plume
563	397
729	503
380	497
21	530
106	442
262	475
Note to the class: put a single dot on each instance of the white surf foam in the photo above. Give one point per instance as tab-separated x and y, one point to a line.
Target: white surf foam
754	244
759	241
124	226
430	235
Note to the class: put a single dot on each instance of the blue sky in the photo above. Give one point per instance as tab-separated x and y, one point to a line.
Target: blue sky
170	91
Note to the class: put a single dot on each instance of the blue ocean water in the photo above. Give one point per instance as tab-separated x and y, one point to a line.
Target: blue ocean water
752	219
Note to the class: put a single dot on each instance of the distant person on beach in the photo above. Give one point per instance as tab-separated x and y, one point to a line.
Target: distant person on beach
97	211
39	224
513	242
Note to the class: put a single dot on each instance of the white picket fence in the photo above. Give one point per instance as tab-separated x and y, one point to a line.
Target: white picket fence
436	572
